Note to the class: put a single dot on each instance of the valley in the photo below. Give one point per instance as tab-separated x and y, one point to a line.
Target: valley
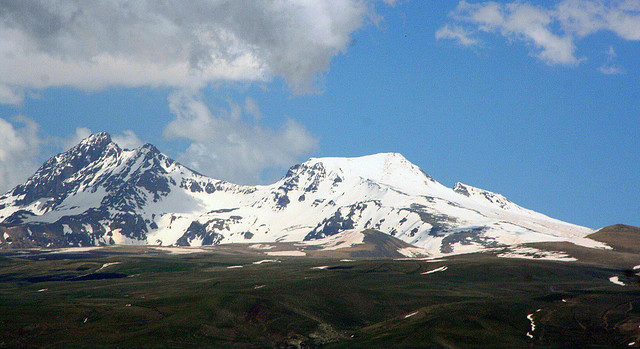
237	295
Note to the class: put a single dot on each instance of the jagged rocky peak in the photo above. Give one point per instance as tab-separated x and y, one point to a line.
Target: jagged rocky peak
463	189
95	139
82	154
49	179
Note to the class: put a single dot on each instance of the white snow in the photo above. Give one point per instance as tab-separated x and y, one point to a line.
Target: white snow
267	261
76	249
536	254
43	289
533	324
6	236
390	192
322	267
443	268
106	265
235	266
346	239
262	247
66	229
347	260
413	252
179	250
294	253
386	168
616	280
412	314
121	239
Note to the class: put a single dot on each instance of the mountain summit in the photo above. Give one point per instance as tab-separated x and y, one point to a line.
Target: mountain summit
99	194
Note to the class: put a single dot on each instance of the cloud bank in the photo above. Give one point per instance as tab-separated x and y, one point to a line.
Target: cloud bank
19	149
182	45
230	143
551	32
186	44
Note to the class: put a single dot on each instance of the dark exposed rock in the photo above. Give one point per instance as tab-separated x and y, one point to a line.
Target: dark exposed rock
467	237
282	201
338	223
206	232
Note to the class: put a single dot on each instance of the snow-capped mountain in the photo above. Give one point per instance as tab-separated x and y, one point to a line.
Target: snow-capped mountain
98	194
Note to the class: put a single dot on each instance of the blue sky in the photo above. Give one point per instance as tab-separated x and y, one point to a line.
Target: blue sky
538	101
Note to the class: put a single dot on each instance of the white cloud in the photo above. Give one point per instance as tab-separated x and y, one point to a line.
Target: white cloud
610	69
226	146
19	149
551	31
97	44
69	142
611	53
456	32
251	108
226	143
127	140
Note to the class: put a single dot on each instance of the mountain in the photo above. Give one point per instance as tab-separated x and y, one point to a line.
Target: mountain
99	194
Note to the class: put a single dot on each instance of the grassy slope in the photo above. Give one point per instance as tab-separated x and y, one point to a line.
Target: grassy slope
174	301
623	238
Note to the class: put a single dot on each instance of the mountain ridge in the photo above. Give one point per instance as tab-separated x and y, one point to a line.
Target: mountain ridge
99	194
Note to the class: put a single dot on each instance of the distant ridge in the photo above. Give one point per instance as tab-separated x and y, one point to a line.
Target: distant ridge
99	194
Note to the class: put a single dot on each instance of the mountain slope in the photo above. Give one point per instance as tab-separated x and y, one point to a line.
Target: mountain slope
621	237
97	194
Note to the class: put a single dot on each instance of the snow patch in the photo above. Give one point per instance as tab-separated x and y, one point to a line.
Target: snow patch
235	266
76	249
106	265
345	239
121	239
66	229
179	250
413	252
322	267
616	280
267	261
534	253
443	268
412	314
294	253
533	324
261	247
